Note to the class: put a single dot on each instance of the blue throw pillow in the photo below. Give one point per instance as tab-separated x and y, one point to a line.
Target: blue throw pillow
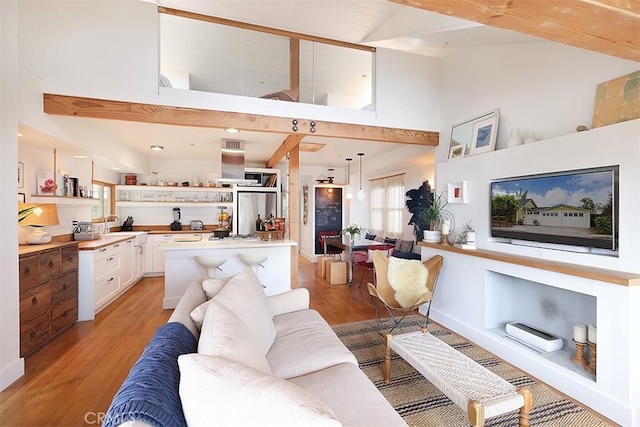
150	393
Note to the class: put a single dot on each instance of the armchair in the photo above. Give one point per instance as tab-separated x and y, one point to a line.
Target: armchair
403	287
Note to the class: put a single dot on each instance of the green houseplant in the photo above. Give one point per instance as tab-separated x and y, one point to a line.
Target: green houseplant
418	201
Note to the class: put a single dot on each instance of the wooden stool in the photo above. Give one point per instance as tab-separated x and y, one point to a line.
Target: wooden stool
337	272
322	264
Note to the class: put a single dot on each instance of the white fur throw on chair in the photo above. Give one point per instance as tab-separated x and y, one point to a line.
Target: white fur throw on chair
408	278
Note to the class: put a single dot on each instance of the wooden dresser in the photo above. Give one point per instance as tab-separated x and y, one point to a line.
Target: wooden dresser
48	293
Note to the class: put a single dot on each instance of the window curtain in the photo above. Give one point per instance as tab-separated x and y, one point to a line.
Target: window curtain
387	206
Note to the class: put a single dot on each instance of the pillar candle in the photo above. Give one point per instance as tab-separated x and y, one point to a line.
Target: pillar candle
580	333
446	226
592	333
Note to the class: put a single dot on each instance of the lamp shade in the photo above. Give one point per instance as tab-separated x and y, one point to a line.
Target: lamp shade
38	214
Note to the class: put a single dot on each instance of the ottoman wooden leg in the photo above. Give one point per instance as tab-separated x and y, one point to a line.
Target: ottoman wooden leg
475	412
387	359
523	420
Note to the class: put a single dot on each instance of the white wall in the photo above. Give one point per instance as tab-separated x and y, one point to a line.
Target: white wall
11	365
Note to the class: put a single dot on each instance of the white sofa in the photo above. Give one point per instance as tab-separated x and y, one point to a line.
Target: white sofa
259	361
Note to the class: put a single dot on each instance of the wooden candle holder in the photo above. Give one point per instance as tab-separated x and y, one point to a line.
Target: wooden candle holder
591	367
578	358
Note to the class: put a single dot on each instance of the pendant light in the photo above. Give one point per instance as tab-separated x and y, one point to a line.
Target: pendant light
361	195
348	190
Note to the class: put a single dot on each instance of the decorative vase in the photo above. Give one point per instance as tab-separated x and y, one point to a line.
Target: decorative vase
432	236
353	238
515	139
470	237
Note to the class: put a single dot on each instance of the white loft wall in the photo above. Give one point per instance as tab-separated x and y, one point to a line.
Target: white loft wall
115	56
545	87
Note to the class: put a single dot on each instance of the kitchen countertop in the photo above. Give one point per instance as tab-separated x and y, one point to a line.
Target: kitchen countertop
205	243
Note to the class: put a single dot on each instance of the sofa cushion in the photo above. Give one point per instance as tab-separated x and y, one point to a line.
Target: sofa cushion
216	391
213	286
305	343
355	402
224	334
244	296
150	391
197	314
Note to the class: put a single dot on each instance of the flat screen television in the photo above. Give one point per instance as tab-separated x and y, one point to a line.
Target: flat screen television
576	208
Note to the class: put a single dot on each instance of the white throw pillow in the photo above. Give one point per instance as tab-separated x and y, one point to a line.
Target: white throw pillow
243	295
217	391
212	286
225	335
197	314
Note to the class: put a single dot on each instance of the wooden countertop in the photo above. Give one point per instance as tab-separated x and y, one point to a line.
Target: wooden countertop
601	274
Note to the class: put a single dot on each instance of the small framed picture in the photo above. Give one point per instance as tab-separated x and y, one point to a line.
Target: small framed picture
458	192
22	198
483	137
20	175
456	151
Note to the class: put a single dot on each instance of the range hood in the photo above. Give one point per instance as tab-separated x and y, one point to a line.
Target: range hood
232	166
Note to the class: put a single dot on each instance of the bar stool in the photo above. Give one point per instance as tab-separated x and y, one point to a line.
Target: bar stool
253	261
210	264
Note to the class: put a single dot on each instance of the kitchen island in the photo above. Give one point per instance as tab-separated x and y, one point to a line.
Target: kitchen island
181	267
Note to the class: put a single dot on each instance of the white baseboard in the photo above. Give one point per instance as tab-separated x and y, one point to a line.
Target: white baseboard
11	373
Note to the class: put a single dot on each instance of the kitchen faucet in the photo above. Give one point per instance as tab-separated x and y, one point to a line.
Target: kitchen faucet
106	225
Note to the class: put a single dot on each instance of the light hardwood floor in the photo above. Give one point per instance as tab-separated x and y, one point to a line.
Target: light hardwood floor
72	380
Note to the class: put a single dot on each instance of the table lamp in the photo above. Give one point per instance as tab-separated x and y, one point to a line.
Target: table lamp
37	215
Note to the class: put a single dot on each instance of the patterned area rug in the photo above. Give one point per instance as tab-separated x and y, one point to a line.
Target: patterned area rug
421	404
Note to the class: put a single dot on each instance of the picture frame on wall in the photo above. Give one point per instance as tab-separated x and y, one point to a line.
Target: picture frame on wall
483	136
20	175
22	198
458	192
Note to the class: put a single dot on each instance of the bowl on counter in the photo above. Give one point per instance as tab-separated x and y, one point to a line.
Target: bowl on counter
221	233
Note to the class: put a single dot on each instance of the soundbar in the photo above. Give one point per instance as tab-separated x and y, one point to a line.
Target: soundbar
534	337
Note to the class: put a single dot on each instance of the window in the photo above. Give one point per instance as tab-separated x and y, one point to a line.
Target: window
106	208
387	206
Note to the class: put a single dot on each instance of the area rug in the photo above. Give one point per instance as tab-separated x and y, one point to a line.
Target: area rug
421	404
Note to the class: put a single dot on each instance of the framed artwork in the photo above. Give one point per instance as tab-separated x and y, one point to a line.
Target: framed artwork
20	175
22	198
483	137
458	192
456	151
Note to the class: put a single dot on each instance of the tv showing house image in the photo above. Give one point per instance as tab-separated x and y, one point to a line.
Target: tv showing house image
575	208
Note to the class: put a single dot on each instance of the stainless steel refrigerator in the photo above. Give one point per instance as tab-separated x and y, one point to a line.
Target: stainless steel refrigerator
250	205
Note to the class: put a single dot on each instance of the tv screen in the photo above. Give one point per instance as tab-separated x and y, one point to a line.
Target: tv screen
576	208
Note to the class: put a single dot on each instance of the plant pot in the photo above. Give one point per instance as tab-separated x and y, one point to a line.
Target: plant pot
432	236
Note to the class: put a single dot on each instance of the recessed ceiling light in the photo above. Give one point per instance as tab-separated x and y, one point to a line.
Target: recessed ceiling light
80	156
115	168
157	147
232	130
19	134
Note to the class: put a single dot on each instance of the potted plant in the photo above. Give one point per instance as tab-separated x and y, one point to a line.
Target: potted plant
467	236
434	216
352	231
418	201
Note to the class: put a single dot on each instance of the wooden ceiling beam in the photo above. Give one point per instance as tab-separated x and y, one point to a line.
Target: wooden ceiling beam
611	27
289	144
181	116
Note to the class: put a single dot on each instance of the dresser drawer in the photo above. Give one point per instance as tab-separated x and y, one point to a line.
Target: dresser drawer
64	287
69	261
34	302
64	315
29	271
107	265
35	333
49	265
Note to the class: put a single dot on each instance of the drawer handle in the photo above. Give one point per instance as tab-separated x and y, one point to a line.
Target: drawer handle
34	301
109	259
102	250
70	259
65	314
32	334
51	264
116	246
110	280
27	271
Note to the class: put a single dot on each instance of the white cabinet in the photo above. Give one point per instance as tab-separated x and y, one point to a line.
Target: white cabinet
139	262
158	252
99	279
126	263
